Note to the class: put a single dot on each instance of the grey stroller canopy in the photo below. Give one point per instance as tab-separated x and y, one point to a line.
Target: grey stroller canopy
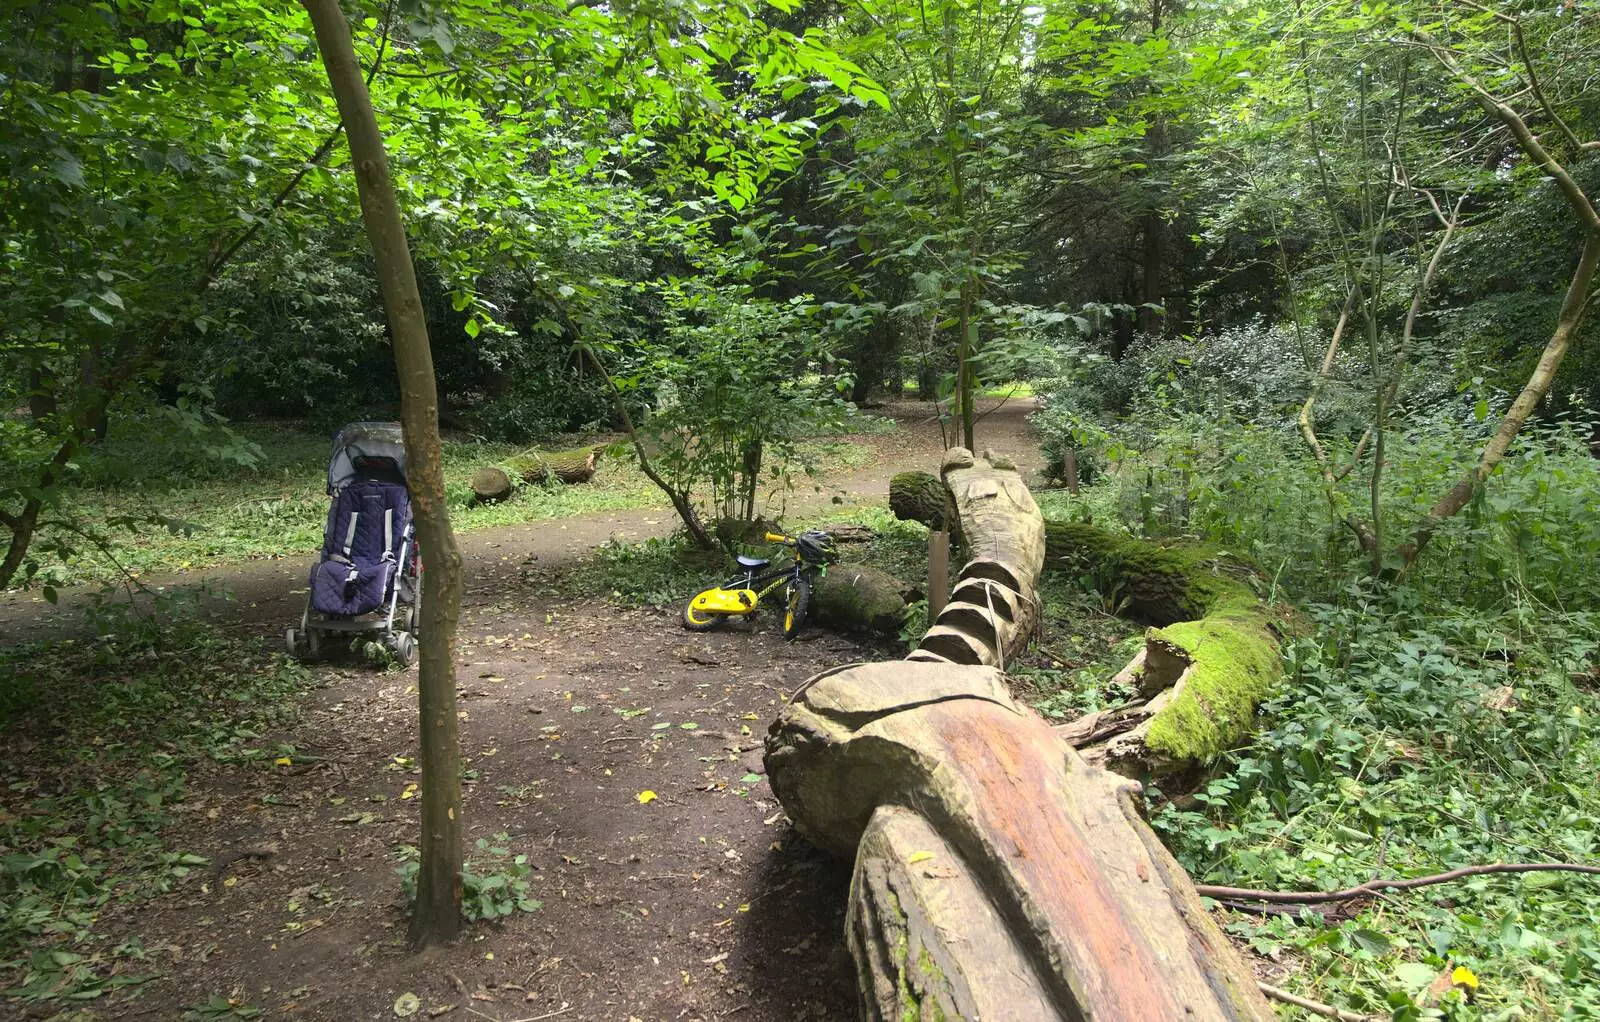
364	449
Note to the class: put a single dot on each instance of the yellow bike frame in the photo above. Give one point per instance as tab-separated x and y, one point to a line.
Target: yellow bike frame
737	596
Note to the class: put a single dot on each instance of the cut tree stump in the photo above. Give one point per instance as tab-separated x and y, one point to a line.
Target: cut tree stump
998	876
574	466
491	485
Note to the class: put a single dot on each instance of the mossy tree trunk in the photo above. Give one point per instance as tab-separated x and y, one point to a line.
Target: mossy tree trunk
1212	656
922	497
997	875
574	466
860	598
491	485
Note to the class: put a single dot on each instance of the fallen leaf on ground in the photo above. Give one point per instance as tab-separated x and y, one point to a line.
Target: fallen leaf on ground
646	796
407	1004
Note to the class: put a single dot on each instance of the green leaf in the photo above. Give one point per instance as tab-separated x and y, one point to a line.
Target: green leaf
1372	942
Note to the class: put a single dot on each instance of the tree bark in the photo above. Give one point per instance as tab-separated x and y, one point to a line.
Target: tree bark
681	502
921	497
1538	385
997	875
1568	320
438	909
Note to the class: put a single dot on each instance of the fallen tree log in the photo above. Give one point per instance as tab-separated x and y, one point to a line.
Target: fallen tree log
861	598
1200	676
574	466
998	876
922	497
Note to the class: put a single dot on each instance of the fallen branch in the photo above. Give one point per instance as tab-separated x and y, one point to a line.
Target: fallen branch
1379	886
1315	1007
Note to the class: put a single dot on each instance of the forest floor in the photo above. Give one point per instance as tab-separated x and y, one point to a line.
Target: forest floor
694	902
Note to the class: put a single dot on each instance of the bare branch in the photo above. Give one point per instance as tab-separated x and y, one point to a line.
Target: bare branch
1530	143
1372	887
1533	76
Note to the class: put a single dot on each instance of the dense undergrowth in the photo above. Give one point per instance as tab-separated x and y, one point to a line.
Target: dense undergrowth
1442	721
98	736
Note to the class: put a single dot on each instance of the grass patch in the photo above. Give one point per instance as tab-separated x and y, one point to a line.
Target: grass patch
278	508
653	573
98	736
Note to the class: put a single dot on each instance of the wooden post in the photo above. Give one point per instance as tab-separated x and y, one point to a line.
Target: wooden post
1069	468
938	572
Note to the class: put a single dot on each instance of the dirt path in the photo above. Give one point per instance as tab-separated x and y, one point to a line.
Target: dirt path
267	596
699	904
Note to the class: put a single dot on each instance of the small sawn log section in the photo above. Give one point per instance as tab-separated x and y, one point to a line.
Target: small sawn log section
998	876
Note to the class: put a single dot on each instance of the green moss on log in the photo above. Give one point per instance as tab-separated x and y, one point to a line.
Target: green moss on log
860	598
572	466
1154	582
922	497
1234	663
1207	615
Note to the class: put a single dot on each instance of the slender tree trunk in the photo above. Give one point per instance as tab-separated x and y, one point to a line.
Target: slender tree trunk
22	527
1153	228
438	912
964	374
680	500
1538	385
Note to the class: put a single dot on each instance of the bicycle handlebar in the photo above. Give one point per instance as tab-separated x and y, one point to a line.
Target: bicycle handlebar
778	537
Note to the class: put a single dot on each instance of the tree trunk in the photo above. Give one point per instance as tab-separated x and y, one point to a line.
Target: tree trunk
570	467
438	910
921	497
680	499
998	876
861	598
1212	657
22	527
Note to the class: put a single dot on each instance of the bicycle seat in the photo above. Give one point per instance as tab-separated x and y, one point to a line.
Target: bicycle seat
753	563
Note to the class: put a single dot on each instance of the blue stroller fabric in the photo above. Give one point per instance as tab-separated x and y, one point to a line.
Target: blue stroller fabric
360	548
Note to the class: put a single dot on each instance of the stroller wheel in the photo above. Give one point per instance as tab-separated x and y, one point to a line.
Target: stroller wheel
297	642
404	647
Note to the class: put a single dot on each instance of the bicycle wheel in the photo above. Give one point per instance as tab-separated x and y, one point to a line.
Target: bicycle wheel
796	601
698	621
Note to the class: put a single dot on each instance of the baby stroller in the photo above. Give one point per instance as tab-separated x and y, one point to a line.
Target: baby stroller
366	579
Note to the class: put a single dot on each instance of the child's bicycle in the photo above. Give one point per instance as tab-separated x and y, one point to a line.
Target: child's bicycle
740	595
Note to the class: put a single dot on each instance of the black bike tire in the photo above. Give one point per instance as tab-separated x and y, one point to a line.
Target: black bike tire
698	626
796	603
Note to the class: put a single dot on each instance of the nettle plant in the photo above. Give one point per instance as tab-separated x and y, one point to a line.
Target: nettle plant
494	881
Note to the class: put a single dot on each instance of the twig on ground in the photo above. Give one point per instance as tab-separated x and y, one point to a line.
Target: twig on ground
1379	886
1316	1007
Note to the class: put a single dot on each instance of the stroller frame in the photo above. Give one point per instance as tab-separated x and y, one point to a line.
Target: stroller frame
356	448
